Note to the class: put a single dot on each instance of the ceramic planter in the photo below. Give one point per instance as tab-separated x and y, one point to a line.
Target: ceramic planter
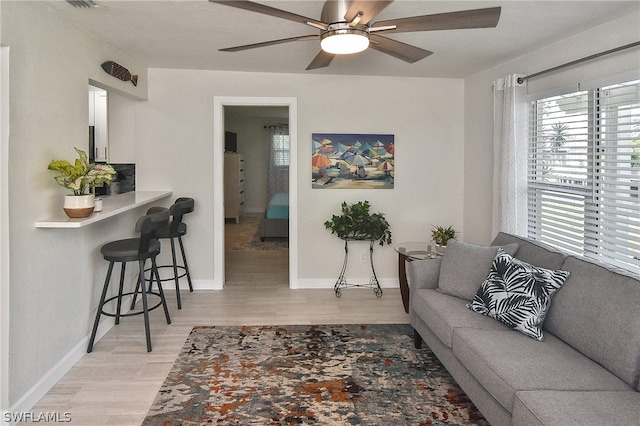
79	205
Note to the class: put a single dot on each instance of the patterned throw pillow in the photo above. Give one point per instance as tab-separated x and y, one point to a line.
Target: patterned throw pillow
518	294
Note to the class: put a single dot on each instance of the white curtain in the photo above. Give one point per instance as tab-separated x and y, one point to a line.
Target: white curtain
277	160
510	124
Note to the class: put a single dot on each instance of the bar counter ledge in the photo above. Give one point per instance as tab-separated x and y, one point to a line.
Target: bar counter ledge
111	206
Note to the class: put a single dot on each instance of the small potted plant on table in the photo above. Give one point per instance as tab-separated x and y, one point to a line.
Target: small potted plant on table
80	178
441	236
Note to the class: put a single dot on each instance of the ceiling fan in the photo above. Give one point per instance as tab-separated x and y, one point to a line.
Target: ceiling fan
345	27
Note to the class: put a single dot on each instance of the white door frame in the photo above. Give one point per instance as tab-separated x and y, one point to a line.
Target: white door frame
219	102
4	229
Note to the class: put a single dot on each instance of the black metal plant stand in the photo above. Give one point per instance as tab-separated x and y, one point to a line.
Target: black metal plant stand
342	282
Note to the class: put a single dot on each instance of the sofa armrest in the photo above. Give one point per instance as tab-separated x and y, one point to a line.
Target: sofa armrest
424	273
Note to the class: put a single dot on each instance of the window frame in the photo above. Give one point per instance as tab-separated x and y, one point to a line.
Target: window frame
281	150
590	223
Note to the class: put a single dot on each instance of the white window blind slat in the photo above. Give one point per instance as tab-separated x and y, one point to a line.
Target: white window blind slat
280	146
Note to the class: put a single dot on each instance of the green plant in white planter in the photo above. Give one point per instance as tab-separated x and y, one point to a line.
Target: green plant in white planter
80	178
441	236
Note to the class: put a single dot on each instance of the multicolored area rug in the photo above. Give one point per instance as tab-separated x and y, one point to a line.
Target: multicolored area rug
246	236
324	375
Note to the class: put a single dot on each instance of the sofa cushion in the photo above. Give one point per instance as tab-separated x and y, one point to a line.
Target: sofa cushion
465	266
531	251
518	294
597	312
505	362
443	313
423	273
532	408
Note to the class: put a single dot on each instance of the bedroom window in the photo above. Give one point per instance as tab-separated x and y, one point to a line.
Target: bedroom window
280	145
584	173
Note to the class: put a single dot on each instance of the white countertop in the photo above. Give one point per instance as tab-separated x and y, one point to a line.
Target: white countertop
111	206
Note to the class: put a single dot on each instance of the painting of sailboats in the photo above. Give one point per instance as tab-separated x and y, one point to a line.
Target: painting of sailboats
352	161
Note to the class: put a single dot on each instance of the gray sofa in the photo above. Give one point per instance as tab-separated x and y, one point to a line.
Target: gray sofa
586	371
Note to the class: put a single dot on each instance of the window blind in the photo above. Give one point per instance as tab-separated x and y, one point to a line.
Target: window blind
280	145
584	173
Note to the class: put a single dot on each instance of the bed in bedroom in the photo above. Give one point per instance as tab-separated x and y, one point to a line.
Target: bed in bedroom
276	221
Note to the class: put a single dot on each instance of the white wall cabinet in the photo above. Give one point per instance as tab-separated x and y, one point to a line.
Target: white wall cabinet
98	118
233	186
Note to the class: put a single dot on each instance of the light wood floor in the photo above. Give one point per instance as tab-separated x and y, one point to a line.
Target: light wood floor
117	383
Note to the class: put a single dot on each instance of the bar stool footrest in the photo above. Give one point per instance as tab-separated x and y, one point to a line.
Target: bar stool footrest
171	278
131	314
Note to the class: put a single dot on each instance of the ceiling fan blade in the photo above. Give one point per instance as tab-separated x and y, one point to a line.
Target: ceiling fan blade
270	43
397	49
368	8
321	60
271	11
476	18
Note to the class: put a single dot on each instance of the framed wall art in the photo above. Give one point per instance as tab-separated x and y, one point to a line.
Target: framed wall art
352	161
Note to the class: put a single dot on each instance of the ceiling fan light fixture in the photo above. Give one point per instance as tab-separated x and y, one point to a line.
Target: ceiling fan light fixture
344	41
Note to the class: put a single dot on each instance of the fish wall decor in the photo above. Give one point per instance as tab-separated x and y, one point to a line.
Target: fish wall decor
120	72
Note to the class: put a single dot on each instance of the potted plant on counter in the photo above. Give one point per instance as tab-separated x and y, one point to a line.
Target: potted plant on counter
357	223
80	178
441	236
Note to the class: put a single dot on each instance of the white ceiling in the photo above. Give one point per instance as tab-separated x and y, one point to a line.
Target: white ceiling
187	34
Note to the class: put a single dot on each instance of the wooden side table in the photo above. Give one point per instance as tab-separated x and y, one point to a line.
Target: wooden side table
408	252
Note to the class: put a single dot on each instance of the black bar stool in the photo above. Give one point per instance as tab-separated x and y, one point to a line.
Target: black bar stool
176	230
132	250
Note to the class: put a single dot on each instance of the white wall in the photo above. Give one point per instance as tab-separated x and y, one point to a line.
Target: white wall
478	103
443	134
55	275
122	128
250	125
428	128
252	145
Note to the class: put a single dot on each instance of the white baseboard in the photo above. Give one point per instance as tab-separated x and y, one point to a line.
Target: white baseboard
299	284
37	391
197	285
53	376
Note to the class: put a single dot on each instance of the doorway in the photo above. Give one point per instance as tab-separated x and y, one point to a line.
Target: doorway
256	177
220	103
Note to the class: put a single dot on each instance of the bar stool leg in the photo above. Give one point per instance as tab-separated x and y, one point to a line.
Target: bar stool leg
175	272
100	306
154	269
135	293
145	306
186	266
137	290
120	290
